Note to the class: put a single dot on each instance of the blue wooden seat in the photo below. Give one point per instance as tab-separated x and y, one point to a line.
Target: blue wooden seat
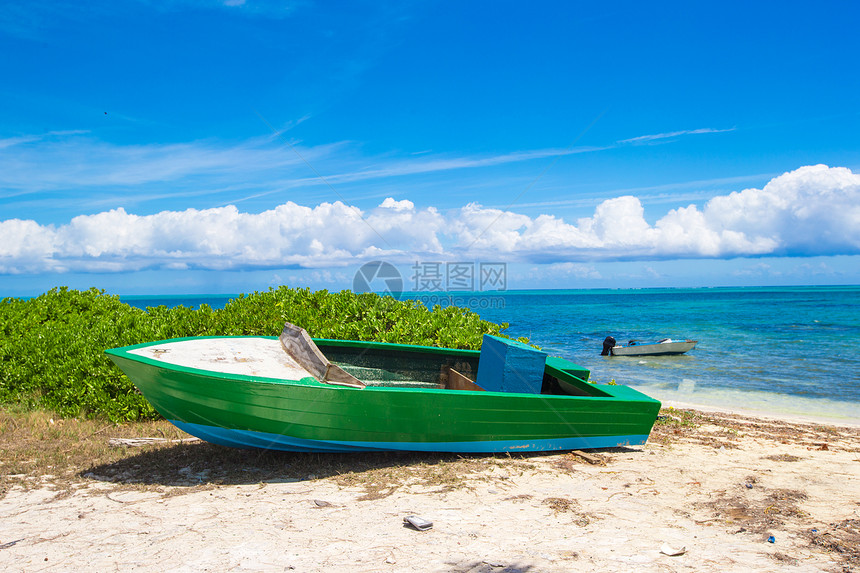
510	366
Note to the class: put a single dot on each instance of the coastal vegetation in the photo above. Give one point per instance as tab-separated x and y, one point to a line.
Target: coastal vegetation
52	346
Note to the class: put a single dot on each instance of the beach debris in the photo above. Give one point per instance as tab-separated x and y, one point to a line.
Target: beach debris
593	459
519	498
842	539
672	551
139	442
9	544
771	539
782	458
418	523
561	504
322	503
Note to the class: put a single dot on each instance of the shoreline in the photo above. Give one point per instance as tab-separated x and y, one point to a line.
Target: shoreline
707	409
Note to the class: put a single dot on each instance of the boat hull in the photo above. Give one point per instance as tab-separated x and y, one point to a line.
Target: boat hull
249	411
247	439
660	349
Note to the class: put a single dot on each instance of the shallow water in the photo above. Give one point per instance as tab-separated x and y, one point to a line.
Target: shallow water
781	350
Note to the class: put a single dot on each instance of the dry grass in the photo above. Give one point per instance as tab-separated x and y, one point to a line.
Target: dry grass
757	510
38	448
765	512
428	473
842	539
563	505
724	430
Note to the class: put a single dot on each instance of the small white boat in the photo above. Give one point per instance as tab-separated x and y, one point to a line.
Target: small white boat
664	347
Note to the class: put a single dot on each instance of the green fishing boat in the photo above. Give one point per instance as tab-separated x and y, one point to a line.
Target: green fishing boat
295	393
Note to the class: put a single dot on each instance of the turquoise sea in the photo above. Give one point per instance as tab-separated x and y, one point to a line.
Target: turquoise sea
779	350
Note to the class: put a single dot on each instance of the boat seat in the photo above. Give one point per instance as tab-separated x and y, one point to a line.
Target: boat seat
298	344
456	380
507	365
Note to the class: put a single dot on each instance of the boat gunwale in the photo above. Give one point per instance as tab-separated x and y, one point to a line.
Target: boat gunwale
124	352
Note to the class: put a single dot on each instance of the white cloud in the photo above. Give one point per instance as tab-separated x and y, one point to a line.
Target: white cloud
814	210
75	163
48	162
672	134
404	205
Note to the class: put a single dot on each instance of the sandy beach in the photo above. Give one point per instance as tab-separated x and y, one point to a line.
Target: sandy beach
708	492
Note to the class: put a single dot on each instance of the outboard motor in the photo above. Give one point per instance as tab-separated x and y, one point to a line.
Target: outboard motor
608	343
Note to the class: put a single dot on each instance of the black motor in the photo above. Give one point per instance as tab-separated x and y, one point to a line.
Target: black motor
608	343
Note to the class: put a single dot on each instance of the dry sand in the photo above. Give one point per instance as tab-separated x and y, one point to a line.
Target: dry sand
717	492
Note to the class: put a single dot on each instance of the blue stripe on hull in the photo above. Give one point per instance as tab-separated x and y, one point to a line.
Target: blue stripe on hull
250	439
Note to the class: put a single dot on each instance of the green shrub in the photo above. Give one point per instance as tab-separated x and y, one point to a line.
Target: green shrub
52	346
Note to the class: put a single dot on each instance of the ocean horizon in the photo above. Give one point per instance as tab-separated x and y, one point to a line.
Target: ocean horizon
786	351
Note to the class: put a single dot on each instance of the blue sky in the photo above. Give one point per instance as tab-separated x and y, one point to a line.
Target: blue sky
190	146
